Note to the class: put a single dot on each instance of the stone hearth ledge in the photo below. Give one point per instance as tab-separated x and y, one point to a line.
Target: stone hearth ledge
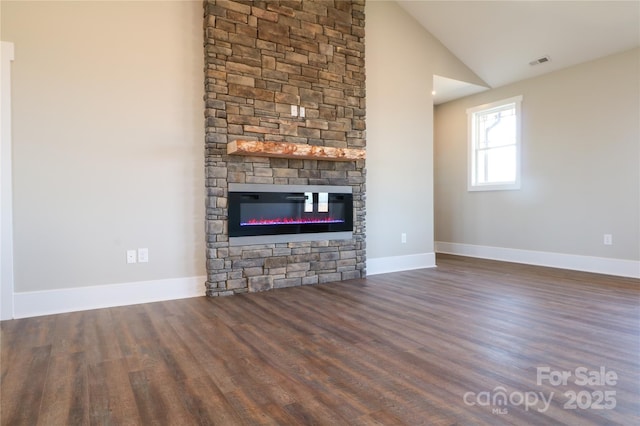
294	150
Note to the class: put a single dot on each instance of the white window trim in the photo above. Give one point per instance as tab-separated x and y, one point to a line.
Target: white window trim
471	186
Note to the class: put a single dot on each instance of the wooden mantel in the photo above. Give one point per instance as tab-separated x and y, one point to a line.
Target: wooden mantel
294	150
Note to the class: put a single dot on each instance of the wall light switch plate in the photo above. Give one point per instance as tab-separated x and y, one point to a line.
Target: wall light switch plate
131	256
143	255
294	110
302	112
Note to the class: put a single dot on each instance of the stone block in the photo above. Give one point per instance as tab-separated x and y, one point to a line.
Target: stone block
236	177
241	68
289	173
237	283
252	272
287	282
298	258
281	9
264	14
260	283
313	279
250	30
235	275
323	266
215	226
216	172
267	47
333	174
241	80
234	6
288	68
334	255
292	267
279	162
251	92
328	278
311	96
308	133
275	262
274	32
222	276
237	17
296	58
281	251
259	179
258	253
301	250
300	44
287	98
214	264
317	124
326	249
345	263
298	181
350	254
263	171
261	129
351	275
248	263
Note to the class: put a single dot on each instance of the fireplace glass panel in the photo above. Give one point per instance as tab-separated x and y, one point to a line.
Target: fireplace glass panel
275	213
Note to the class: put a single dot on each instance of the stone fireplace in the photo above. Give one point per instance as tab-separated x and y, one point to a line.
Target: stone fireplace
262	58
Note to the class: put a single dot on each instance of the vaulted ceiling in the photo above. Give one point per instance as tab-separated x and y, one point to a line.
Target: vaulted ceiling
499	39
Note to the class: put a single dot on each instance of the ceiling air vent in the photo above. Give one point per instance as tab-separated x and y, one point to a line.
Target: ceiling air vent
540	61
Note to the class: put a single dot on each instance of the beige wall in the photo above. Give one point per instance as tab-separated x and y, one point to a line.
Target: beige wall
107	141
402	58
580	165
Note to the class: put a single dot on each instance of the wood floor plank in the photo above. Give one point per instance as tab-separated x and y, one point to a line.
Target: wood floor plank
408	348
22	387
111	398
66	394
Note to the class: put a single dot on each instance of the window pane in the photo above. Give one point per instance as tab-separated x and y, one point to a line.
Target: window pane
496	128
497	165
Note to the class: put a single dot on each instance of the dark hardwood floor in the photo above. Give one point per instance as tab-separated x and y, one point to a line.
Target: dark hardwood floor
434	347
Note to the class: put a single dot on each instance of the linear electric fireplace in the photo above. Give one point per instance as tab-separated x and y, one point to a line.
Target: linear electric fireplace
285	213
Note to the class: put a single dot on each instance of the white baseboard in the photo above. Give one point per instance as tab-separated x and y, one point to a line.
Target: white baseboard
383	265
37	303
599	265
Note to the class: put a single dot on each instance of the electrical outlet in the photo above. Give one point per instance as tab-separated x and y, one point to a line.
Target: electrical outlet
131	256
608	240
143	255
302	112
294	110
403	237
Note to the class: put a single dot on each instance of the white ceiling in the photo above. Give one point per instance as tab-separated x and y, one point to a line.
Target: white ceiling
498	39
447	89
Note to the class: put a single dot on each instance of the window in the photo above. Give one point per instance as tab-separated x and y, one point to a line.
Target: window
494	145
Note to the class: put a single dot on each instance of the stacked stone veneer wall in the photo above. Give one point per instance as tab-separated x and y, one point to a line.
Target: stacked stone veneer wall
262	57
